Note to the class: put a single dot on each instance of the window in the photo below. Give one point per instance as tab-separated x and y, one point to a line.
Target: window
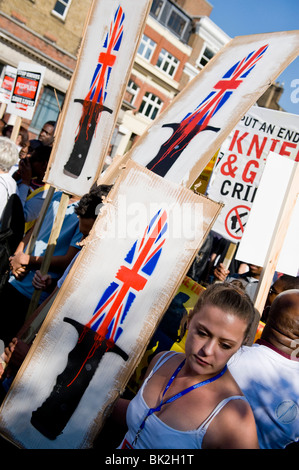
131	92
156	7
150	105
47	109
176	23
146	48
205	57
167	62
61	8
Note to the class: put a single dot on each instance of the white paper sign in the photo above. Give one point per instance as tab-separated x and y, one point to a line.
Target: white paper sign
241	161
27	85
264	215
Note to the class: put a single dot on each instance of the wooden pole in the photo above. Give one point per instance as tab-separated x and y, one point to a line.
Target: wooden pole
16	129
277	240
39	221
50	250
2	110
228	257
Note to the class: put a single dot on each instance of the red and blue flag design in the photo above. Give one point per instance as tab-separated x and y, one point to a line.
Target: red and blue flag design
199	119
131	278
98	87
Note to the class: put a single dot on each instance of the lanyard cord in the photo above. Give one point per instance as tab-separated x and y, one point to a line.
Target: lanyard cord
175	397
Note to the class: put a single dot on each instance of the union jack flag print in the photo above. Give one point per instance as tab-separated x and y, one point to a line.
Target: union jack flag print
98	87
93	103
139	265
199	119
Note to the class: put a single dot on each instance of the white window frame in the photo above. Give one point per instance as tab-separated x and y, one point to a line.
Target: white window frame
174	10
169	63
204	57
151	105
148	45
133	89
66	8
160	11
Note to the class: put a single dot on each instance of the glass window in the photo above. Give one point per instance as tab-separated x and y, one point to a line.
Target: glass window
131	92
47	109
167	62
206	56
61	7
156	7
176	23
150	105
146	47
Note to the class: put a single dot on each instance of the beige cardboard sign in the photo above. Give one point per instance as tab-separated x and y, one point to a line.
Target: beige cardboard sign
94	97
183	139
101	321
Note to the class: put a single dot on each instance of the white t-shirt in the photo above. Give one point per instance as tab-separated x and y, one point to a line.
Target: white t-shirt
270	382
8	186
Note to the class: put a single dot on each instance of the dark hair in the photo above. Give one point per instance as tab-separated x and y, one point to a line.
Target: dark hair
289	282
229	298
40	154
87	207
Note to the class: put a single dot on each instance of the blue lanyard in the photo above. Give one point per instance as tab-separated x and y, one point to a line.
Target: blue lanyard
175	397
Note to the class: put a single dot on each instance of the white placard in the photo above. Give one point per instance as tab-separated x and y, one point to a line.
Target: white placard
265	211
27	85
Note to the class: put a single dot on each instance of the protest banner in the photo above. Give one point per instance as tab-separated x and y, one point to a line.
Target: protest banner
110	41
26	88
241	162
133	261
82	133
8	80
183	139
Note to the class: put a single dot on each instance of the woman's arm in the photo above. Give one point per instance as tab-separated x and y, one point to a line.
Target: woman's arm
233	428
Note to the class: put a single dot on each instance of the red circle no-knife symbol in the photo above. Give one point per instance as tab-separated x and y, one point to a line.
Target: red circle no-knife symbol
235	221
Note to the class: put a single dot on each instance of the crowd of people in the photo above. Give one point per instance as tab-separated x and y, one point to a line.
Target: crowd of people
217	391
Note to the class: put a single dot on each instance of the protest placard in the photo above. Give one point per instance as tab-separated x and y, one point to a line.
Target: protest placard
106	311
183	139
8	80
241	162
26	88
95	94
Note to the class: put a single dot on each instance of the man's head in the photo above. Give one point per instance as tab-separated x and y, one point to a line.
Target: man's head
284	282
89	206
282	327
39	158
46	135
255	270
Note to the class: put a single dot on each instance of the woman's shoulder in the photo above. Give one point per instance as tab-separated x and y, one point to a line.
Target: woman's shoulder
236	415
159	359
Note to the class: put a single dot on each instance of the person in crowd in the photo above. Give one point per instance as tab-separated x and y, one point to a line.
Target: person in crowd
17	293
87	211
31	188
249	279
22	137
191	400
282	283
46	135
268	374
2	126
8	157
